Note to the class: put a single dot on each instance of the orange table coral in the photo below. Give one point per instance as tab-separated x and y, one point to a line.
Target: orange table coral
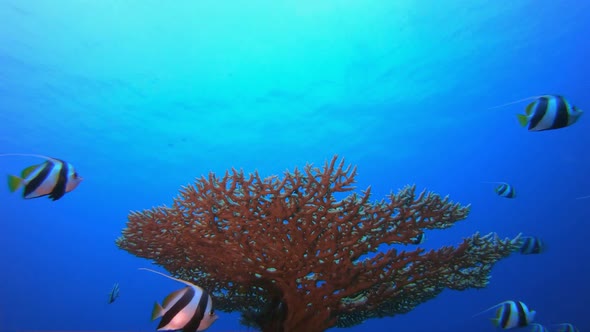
290	253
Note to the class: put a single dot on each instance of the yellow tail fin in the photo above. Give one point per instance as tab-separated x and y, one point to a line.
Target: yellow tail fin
158	311
14	182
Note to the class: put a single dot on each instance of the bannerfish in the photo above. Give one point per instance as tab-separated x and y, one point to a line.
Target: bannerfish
567	327
505	190
53	178
114	293
538	328
511	314
549	112
531	245
189	309
418	239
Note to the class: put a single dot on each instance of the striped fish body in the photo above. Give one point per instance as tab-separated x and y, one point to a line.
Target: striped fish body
505	190
549	112
512	314
531	245
418	239
114	293
189	309
567	327
539	328
53	178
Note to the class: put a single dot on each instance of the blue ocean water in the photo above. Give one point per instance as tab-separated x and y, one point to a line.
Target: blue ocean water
144	96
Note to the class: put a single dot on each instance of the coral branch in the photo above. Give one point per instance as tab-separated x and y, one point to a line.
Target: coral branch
289	253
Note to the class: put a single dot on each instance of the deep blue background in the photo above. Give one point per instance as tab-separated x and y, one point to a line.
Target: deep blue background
144	96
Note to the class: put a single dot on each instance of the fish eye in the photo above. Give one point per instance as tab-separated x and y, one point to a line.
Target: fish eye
75	175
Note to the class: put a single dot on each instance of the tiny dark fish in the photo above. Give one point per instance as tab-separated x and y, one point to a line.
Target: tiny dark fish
531	245
505	190
538	328
114	293
567	327
419	239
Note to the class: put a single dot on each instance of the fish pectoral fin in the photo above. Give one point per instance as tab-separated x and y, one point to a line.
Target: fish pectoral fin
14	182
522	119
158	311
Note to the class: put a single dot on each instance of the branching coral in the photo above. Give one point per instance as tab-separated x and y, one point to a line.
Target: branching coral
290	253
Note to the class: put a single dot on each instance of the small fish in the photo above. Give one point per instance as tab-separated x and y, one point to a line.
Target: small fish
505	190
114	293
538	328
583	197
549	112
418	239
567	327
189	309
511	314
53	178
531	245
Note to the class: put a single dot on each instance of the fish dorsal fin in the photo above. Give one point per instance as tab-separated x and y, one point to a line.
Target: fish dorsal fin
495	182
174	295
29	170
169	277
492	307
28	155
516	102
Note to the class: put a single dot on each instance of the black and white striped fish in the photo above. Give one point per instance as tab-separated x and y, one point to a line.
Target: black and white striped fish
531	245
549	112
505	190
53	178
538	328
114	293
511	314
189	309
567	327
419	239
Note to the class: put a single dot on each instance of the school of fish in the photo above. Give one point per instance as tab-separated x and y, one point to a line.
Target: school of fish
190	309
546	112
